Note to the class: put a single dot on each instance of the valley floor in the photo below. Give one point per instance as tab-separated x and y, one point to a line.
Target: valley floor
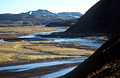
17	52
28	53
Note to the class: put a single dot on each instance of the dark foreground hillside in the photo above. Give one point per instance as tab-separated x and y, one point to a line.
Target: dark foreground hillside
105	62
102	18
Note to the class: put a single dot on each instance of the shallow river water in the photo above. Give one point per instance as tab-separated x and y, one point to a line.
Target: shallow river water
24	67
88	42
78	59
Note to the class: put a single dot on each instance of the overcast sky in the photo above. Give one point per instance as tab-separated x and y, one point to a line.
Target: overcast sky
18	6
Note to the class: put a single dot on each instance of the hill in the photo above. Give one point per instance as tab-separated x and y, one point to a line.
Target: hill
43	13
22	20
104	63
102	18
61	23
39	17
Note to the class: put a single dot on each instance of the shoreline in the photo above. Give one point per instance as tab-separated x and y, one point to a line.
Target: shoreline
43	48
22	62
37	71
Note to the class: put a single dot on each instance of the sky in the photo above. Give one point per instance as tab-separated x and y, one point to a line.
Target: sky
19	6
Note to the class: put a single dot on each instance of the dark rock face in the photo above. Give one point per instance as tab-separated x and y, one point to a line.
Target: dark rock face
104	17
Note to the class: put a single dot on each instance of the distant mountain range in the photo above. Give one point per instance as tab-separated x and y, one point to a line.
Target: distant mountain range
61	15
39	17
22	20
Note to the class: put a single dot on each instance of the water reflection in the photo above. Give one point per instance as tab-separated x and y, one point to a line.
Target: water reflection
88	42
25	67
1	40
59	73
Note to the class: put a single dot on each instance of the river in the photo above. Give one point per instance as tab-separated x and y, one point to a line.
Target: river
88	42
59	73
24	67
78	59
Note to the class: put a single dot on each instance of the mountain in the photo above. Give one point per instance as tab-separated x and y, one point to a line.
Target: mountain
102	18
61	23
22	20
43	13
61	15
39	17
69	15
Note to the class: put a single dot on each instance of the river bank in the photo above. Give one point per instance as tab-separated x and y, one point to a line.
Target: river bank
37	72
26	52
38	68
22	48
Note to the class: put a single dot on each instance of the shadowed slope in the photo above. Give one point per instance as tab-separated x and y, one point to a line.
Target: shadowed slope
104	62
104	17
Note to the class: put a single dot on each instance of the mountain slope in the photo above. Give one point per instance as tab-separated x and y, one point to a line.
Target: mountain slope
69	14
23	20
105	62
61	15
43	13
102	18
39	17
61	23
